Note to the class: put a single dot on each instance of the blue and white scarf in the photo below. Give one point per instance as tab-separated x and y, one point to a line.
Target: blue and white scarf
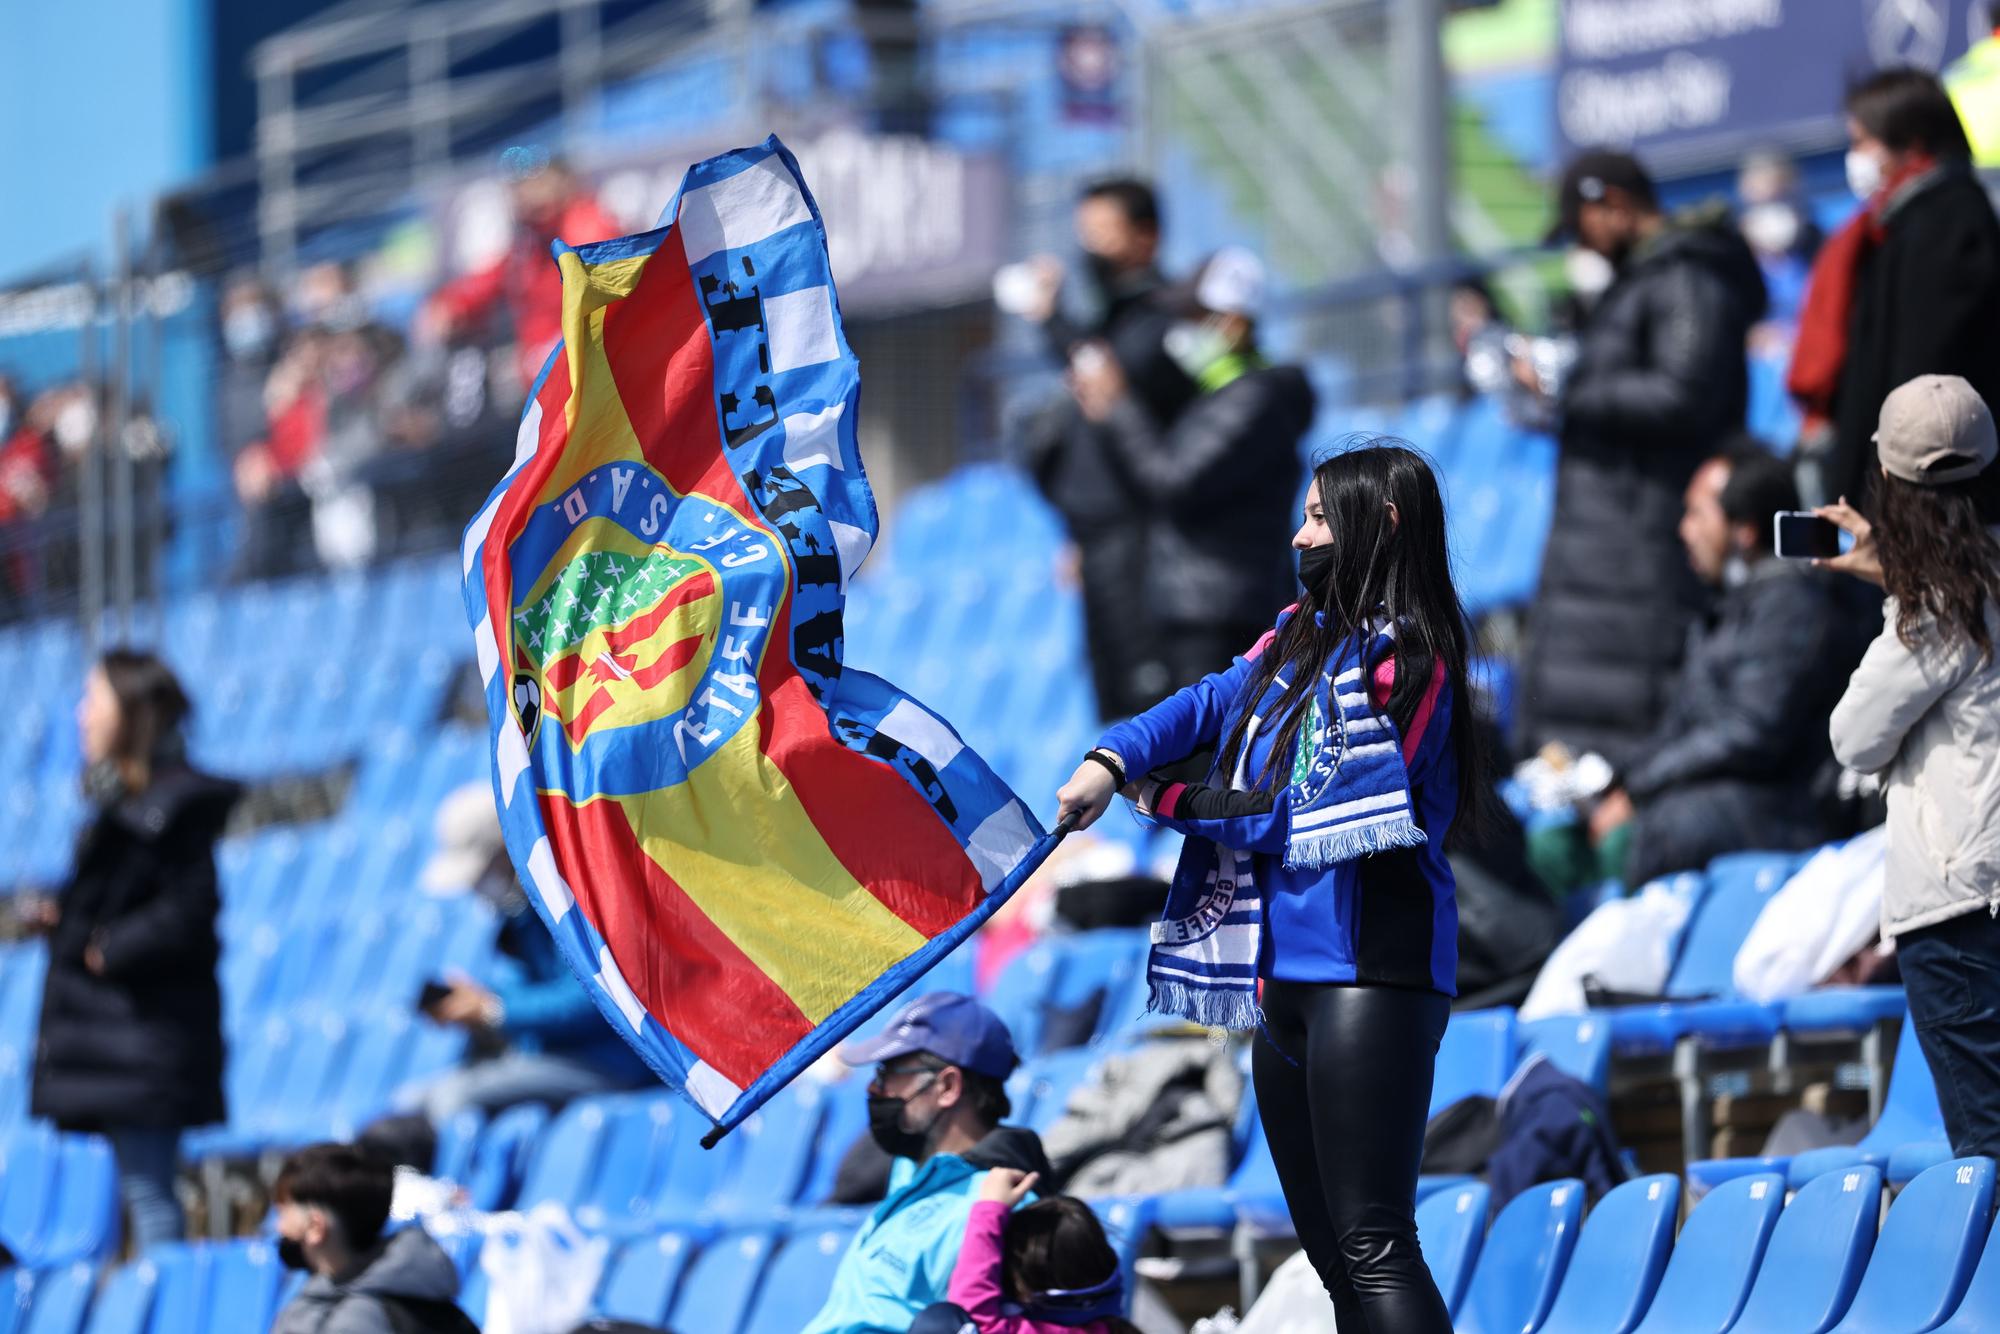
1349	797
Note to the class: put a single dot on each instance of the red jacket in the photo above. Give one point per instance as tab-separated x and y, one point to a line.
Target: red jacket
526	279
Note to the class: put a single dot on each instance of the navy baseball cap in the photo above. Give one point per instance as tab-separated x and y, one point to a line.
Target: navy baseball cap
956	1029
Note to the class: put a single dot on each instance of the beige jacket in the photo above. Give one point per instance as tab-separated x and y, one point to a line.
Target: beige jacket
1929	721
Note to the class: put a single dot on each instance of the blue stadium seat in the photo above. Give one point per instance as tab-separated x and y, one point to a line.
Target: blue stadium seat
1842	1009
1475	1057
125	1304
180	1299
1738	886
640	1283
617	1193
14	1287
1097	966
717	1290
1579	1045
773	1157
457	1143
1451	1224
1924	1258
1020	991
244	1278
501	1160
1816	1255
82	1222
58	1299
798	1279
1522	1263
30	1154
1618	1260
1708	1275
566	1156
1045	1084
1979	1310
1910	1116
1907	1162
688	1173
846	1121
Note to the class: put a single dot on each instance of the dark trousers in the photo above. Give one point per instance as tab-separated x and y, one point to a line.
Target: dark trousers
1343	1077
1951	972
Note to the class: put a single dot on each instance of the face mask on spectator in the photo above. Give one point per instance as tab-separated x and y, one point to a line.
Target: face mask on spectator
75	424
247	331
1771	228
1864	173
1194	346
1589	273
885	1124
292	1253
1316	568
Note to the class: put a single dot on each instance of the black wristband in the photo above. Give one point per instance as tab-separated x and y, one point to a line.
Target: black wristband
1111	766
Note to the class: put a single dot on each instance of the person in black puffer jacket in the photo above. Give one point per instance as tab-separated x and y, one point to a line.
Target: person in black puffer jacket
1220	482
1660	380
131	1028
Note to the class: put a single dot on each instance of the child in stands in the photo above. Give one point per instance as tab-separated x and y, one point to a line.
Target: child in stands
1043	1269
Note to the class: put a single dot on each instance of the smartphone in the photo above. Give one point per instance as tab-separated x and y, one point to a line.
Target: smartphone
1800	535
432	993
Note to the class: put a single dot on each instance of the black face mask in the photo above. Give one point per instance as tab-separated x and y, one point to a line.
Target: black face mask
292	1253
885	1125
1316	569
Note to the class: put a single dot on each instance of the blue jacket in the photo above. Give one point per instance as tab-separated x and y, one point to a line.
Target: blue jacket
1390	919
901	1260
545	1009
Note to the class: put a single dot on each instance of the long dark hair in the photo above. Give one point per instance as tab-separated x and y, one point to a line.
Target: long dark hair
151	710
1057	1244
1938	560
1400	569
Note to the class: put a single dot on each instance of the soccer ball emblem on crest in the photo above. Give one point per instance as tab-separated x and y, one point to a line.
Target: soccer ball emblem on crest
527	703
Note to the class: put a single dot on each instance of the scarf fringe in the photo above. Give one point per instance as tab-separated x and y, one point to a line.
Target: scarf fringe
1345	845
1233	1008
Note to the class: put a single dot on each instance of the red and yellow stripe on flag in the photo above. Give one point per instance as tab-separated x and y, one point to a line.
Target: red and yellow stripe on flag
744	846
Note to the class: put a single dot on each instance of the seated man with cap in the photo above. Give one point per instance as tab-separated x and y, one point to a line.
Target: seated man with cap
935	1102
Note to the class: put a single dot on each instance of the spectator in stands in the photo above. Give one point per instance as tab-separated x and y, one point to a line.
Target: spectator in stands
252	332
1733	762
550	204
1908	287
131	1026
537	1036
333	1202
1315	862
1659	381
1924	710
1116	312
1218	483
935	1102
1041	1270
26	478
1774	218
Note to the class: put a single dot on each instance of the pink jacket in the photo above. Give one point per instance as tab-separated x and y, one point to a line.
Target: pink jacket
975	1281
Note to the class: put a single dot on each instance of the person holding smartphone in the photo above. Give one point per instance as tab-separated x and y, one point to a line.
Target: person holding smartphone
1923	709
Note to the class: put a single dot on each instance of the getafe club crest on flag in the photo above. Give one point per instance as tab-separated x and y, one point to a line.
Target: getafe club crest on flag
744	846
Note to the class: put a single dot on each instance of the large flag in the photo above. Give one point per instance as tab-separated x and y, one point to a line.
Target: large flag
744	846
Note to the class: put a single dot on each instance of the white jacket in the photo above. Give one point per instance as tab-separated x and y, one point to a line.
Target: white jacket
1929	718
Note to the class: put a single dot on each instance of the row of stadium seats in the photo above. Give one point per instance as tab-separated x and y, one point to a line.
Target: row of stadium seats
1744	1259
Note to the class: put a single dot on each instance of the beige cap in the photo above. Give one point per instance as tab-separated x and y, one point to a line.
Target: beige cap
1935	429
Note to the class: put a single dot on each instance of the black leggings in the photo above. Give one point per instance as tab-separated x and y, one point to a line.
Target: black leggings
1343	1078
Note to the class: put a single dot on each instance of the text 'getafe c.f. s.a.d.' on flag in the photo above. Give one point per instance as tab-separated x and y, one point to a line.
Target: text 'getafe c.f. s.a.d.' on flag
744	846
